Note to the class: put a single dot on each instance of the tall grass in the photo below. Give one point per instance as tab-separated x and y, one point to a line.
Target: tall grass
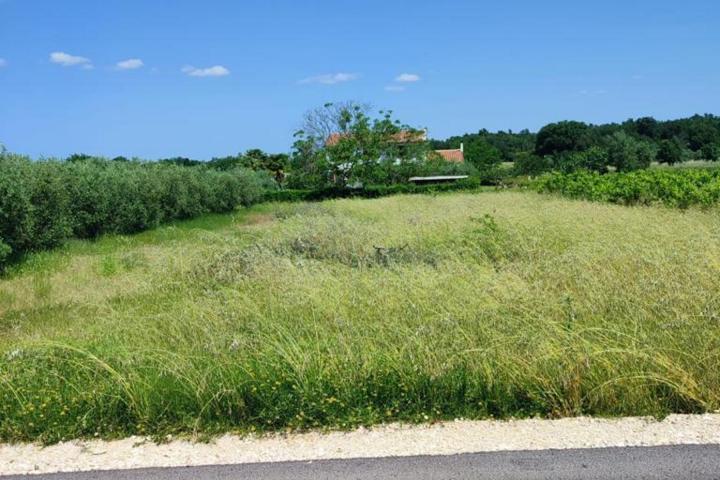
350	312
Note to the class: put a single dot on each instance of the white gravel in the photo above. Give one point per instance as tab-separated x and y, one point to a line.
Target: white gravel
390	440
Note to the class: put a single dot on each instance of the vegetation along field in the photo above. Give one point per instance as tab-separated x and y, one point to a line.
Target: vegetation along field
354	311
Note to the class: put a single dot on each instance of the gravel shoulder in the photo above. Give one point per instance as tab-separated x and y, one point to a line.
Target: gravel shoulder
393	440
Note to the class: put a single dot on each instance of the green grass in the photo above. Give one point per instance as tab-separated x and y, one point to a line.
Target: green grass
687	164
287	316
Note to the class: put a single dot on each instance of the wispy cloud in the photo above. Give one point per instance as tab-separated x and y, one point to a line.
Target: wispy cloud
394	88
592	93
331	78
129	64
407	78
67	60
214	71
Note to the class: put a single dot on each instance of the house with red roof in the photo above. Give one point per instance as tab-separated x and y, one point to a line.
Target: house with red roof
454	155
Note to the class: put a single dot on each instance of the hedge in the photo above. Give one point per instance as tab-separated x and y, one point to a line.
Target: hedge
43	203
370	191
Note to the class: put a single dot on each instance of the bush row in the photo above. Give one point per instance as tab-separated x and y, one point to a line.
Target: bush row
43	203
370	191
676	188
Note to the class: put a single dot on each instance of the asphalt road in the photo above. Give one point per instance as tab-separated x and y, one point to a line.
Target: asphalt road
696	462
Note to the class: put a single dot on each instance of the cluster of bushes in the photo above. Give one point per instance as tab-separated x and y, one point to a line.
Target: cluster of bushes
254	159
42	203
616	152
676	187
372	191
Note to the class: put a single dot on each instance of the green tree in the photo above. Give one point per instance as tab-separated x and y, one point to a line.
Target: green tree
566	136
626	153
701	131
594	158
710	151
481	154
647	127
527	163
362	149
669	151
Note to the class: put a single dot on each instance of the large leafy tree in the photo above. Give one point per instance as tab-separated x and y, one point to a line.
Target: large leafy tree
669	151
710	152
361	149
626	153
565	136
321	122
594	158
482	154
645	127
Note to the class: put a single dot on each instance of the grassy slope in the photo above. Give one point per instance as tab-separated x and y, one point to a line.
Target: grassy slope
286	316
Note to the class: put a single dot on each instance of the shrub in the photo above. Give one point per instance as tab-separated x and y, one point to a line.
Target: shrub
52	222
5	251
372	191
43	203
16	209
676	187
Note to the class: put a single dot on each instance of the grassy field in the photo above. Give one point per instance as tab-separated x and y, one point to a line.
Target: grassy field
348	312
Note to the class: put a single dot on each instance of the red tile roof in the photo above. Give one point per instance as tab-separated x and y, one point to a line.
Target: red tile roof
403	136
454	155
406	136
333	139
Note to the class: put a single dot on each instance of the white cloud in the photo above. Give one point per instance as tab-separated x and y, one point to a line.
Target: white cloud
3	62
129	64
67	60
394	88
331	78
215	71
407	78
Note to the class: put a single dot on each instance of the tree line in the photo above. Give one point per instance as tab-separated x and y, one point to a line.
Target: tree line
572	145
368	150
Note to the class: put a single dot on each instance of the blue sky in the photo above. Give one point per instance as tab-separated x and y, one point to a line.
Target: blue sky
210	78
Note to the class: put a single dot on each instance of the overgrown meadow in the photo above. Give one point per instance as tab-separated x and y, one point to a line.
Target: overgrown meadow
348	312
